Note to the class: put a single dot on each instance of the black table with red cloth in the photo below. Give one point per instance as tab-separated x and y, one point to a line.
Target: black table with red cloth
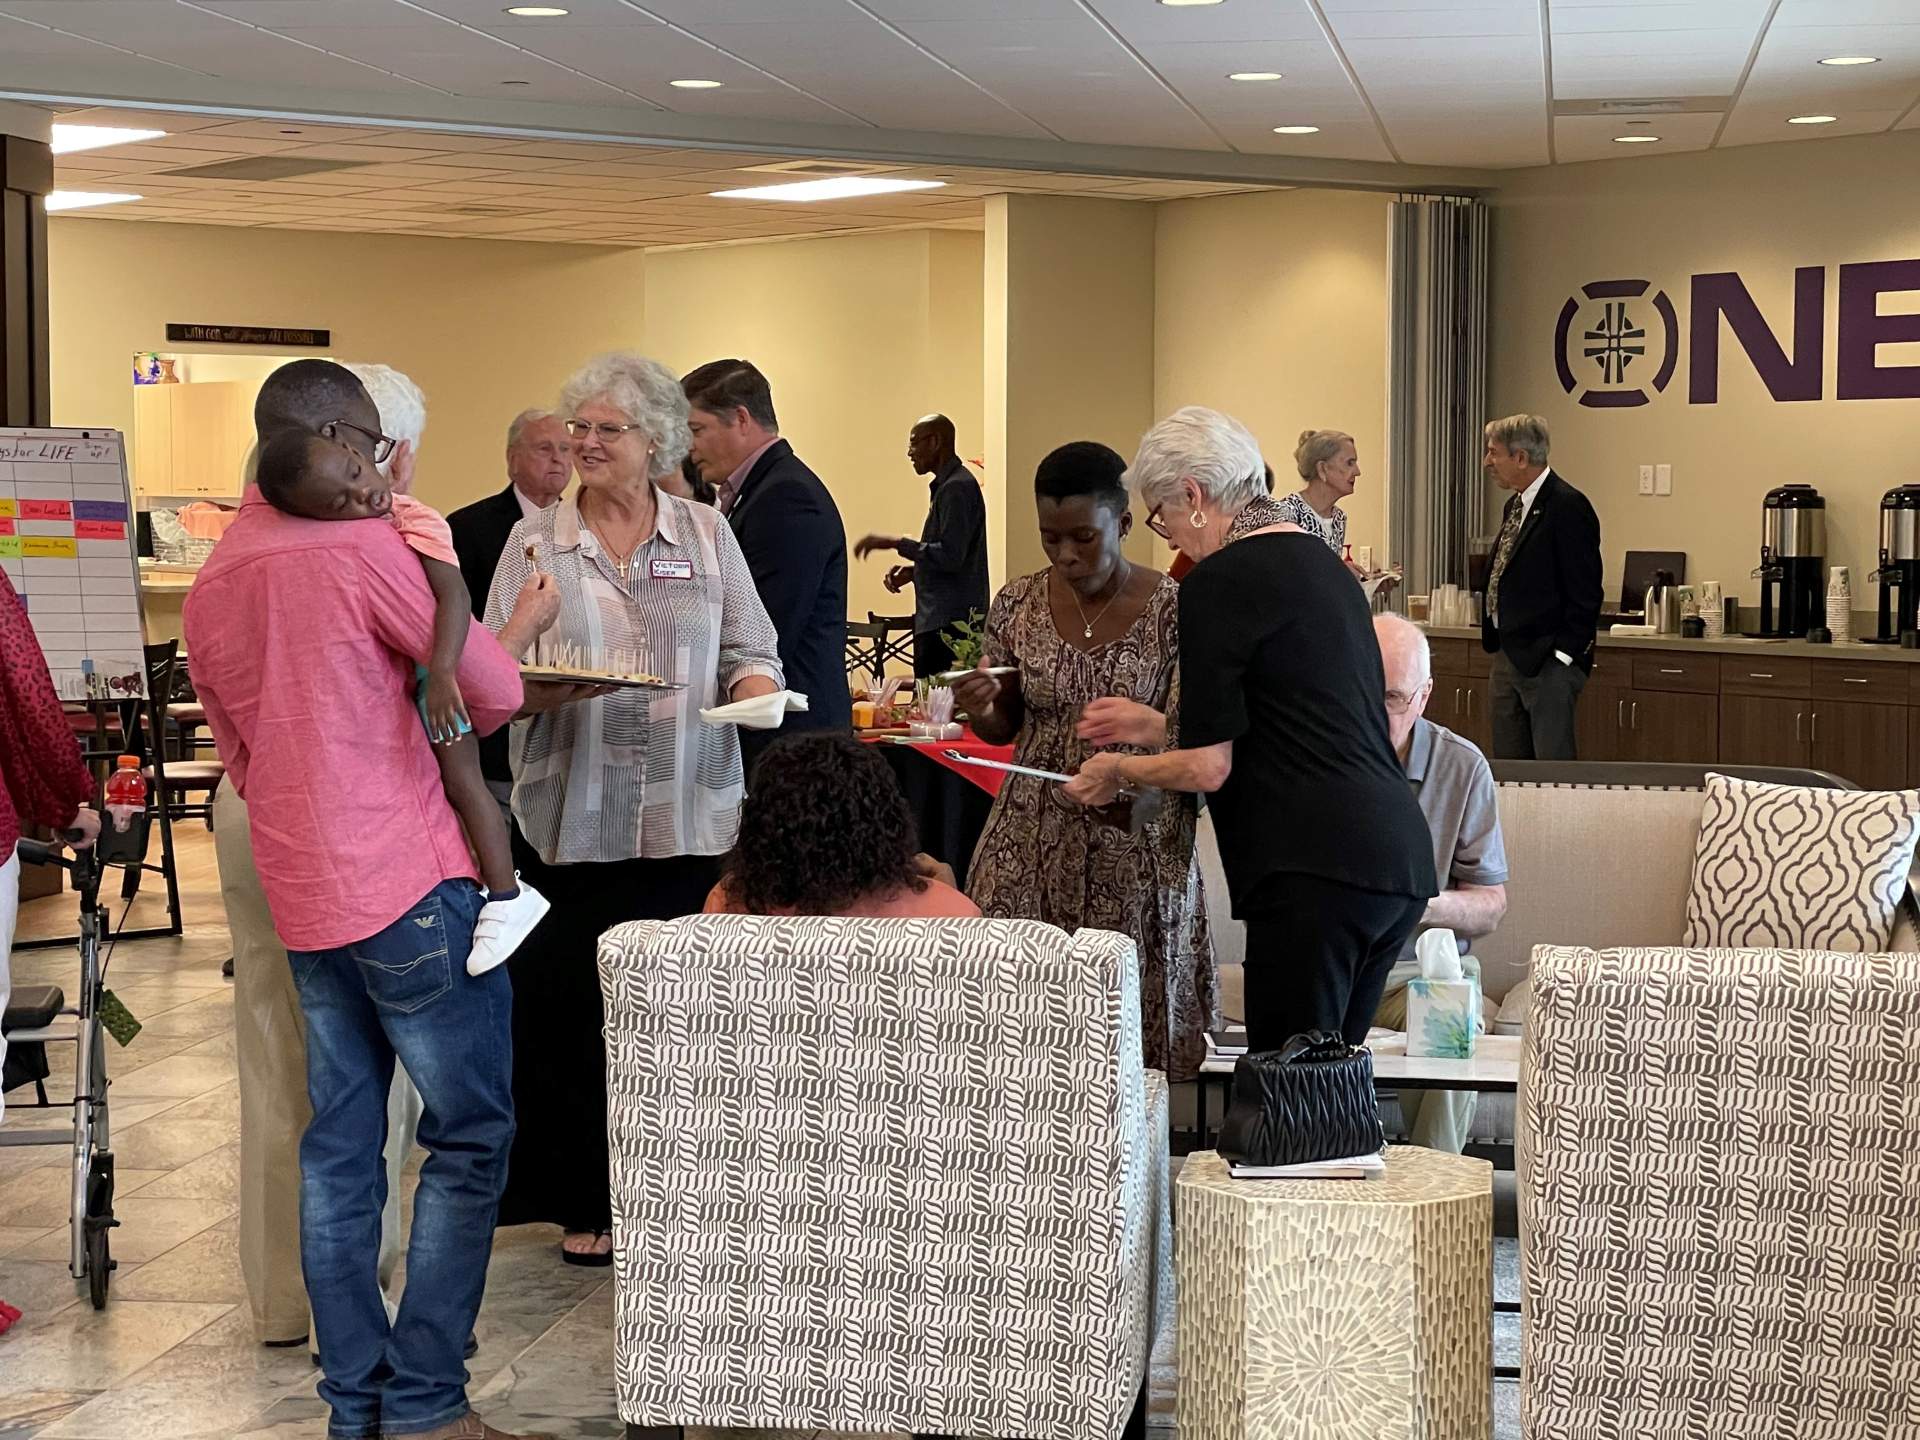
950	801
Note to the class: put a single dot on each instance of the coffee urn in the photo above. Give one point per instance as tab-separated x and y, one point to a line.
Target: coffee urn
1793	561
1899	572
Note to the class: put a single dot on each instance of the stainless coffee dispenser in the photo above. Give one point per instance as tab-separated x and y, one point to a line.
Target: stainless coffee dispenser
1899	572
1793	561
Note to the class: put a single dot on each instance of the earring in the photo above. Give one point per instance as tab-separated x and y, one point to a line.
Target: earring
1197	520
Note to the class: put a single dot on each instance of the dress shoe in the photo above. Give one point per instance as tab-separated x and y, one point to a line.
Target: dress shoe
468	1427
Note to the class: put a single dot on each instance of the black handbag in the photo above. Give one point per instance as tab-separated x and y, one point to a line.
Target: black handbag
1310	1100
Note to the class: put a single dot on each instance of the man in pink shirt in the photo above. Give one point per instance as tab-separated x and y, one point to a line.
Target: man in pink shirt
304	636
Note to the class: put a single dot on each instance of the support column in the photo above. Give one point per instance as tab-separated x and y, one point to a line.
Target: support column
1069	351
26	179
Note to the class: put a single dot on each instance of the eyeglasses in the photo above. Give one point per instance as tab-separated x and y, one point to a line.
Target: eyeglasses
606	430
1157	525
380	446
1401	701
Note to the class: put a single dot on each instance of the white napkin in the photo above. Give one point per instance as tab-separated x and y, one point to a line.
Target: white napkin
762	712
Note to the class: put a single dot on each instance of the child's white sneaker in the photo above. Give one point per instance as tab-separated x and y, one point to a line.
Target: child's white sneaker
502	925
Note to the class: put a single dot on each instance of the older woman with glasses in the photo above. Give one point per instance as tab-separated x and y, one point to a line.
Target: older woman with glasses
622	806
1283	722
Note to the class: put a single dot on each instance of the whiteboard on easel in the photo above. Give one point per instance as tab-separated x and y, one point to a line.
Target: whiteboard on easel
67	543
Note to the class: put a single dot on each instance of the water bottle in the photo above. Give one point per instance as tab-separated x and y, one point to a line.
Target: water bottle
126	792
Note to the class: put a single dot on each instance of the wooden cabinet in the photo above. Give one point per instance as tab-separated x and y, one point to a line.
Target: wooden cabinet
1864	743
191	439
1763	730
1858	718
1600	717
1460	690
1668	726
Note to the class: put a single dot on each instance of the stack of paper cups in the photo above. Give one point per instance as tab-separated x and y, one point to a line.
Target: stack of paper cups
1839	605
1711	610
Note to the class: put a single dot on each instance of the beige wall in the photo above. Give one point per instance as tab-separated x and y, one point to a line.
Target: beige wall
485	327
859	336
1757	210
1069	292
1273	308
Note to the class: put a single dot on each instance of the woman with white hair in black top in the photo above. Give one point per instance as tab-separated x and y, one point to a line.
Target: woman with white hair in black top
1282	721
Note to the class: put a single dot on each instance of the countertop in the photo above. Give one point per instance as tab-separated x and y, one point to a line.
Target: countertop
1730	645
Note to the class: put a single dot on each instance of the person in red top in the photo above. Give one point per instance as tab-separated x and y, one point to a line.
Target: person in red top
42	779
826	831
305	638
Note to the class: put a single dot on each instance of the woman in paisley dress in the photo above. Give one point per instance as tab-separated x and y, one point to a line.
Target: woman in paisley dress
1096	644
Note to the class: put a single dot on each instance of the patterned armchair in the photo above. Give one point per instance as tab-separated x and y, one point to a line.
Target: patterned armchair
1719	1155
882	1175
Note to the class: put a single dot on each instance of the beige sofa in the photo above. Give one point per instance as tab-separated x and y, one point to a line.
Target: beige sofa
1598	855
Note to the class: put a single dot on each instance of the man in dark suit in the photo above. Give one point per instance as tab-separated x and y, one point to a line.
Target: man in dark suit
790	530
539	465
1543	596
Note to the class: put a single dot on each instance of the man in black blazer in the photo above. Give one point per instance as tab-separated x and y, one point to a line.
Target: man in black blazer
539	465
1543	596
790	530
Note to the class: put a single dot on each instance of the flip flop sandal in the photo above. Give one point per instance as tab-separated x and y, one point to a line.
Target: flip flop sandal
593	1260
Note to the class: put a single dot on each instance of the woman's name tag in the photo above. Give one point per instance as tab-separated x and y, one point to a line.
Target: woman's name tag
671	569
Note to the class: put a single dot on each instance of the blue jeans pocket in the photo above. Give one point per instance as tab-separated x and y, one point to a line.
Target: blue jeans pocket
406	966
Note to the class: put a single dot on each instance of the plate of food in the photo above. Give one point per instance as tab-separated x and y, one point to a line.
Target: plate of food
585	675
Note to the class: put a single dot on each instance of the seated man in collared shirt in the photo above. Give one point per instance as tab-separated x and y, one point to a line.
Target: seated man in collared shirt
1454	786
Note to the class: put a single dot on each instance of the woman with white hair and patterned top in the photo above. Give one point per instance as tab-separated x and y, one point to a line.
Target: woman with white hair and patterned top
1283	722
622	806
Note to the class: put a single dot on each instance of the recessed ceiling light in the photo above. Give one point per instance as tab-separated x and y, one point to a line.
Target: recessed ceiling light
1256	75
1181	4
1635	139
1296	129
1851	60
69	139
85	199
695	84
1813	119
537	12
839	187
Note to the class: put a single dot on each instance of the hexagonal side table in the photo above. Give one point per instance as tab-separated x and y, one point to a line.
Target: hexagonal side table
1336	1309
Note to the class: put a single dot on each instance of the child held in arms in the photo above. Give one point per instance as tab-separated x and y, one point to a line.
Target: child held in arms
315	478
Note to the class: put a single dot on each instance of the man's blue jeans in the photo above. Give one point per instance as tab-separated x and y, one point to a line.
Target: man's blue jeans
404	992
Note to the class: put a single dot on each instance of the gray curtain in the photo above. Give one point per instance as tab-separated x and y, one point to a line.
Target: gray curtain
1437	387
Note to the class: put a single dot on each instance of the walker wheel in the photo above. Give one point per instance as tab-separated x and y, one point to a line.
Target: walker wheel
98	1221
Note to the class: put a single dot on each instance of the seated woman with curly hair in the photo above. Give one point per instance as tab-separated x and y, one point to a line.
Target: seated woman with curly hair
826	831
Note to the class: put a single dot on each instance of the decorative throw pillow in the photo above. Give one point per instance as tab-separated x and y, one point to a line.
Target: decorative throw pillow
1797	869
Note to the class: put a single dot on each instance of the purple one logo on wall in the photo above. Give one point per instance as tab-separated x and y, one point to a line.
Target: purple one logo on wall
1615	346
1601	345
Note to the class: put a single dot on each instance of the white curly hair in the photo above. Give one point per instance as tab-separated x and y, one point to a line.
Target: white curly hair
644	391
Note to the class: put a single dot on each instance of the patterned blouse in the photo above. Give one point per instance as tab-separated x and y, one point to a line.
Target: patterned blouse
637	772
1331	533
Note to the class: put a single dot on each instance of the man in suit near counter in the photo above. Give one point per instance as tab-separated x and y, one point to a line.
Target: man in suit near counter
539	465
789	529
1543	596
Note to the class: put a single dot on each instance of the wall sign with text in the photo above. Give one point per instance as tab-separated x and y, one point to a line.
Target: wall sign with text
1617	342
248	335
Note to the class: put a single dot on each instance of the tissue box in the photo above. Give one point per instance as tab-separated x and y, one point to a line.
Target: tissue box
1442	1017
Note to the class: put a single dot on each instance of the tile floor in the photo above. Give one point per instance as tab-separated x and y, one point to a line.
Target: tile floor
173	1353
